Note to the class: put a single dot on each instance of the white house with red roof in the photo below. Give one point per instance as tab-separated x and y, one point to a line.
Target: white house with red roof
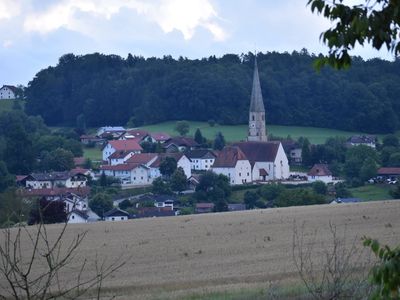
129	174
159	137
233	163
8	92
121	145
320	172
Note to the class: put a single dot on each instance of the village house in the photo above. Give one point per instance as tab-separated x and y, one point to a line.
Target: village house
67	179
159	137
179	144
110	129
138	135
129	174
116	214
320	172
77	217
120	157
146	159
233	163
56	193
389	172
154	212
293	151
122	146
8	92
201	159
366	140
181	159
204	207
87	139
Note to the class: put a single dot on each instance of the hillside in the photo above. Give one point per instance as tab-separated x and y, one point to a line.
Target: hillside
110	90
178	256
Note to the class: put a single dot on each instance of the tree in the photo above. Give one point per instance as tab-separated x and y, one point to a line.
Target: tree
101	203
178	180
219	141
198	137
298	197
125	204
6	179
168	166
320	187
250	199
390	140
48	212
368	169
374	23
34	262
385	275
182	127
271	191
159	186
80	124
58	160
306	153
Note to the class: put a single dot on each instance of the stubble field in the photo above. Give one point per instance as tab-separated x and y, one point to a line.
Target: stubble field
177	256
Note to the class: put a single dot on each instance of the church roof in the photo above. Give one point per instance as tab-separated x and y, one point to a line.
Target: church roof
256	104
259	151
228	157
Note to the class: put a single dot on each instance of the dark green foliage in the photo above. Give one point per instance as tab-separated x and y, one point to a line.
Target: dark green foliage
100	203
395	193
390	140
198	137
361	161
125	204
6	179
182	127
376	23
107	181
80	124
178	180
219	141
213	188
250	199
394	160
306	153
57	160
48	212
159	186
386	274
298	197
320	187
168	166
13	209
271	191
342	191
154	90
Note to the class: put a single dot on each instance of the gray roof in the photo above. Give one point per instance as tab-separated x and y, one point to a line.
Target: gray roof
200	153
256	104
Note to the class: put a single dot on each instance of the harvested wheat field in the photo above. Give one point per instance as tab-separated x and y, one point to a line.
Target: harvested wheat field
176	256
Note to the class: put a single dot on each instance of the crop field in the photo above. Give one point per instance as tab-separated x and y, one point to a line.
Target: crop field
199	256
239	132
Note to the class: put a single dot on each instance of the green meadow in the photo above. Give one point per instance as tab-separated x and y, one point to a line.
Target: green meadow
239	132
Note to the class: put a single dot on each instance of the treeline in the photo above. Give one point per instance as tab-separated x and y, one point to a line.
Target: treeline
110	90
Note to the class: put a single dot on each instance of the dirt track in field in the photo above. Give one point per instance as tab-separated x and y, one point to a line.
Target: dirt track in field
177	255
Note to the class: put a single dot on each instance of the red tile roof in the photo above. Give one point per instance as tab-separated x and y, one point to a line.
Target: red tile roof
389	171
138	134
320	170
160	136
128	145
228	157
120	154
163	156
141	158
81	191
120	167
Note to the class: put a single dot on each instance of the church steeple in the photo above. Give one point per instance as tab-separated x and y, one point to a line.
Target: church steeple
257	131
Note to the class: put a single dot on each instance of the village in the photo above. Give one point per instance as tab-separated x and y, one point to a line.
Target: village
135	158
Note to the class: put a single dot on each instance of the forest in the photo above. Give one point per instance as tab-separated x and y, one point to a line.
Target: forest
110	90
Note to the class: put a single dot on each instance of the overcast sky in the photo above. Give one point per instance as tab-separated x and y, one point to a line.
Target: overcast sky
35	33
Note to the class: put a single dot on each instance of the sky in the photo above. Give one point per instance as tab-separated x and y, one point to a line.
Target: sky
35	33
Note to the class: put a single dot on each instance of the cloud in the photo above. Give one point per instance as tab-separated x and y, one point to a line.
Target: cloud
9	9
7	43
184	16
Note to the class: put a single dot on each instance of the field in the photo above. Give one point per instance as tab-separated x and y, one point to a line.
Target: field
94	154
372	192
239	132
221	255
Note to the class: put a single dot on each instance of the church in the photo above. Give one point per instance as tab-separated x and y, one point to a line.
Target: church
257	159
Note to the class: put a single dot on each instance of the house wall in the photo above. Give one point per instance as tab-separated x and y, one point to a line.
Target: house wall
6	93
295	155
202	164
140	176
74	218
107	151
35	184
326	179
281	164
184	163
240	174
116	218
267	166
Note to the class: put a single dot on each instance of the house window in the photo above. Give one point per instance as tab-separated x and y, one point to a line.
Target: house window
73	217
248	174
240	174
112	219
141	177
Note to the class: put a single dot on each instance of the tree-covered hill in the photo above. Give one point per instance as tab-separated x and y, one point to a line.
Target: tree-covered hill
108	89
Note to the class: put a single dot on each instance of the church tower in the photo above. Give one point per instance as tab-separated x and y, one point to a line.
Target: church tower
257	130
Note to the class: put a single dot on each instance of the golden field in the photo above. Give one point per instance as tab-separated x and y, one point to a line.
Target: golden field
176	256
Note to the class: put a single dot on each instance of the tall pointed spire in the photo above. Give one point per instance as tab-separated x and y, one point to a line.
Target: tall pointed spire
257	130
257	103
